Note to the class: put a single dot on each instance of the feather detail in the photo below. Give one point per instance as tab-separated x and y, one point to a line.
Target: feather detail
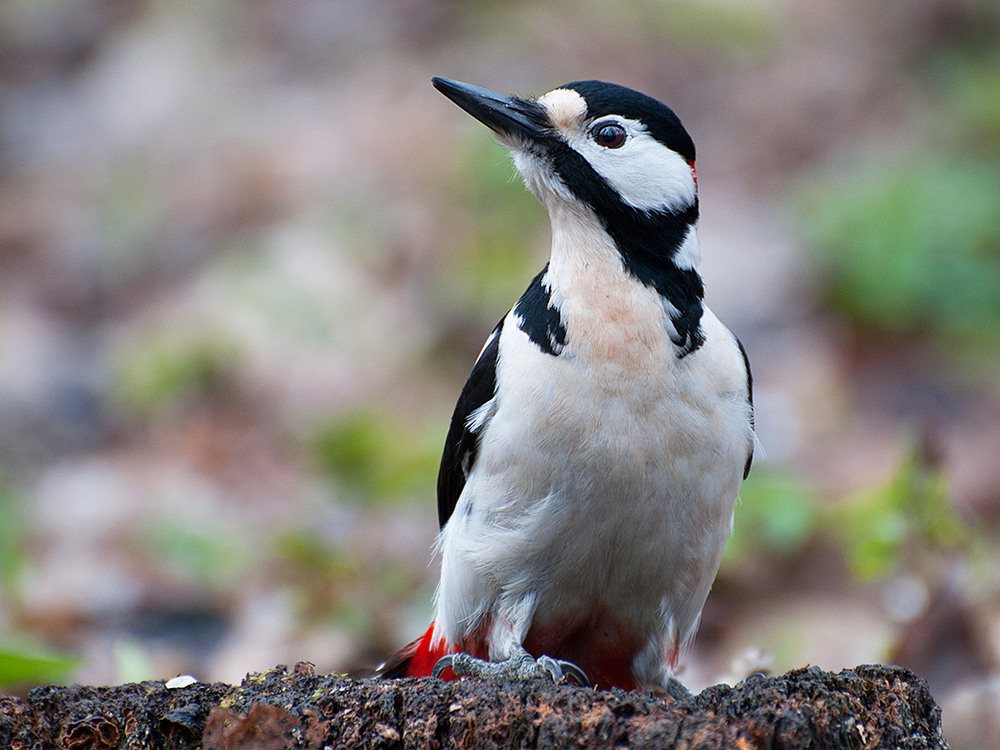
417	659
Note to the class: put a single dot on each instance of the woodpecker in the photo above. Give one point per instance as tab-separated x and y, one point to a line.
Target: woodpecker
594	457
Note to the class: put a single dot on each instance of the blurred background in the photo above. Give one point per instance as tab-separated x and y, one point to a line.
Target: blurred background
248	256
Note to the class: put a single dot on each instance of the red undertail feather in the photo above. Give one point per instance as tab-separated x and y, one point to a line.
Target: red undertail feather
599	644
418	658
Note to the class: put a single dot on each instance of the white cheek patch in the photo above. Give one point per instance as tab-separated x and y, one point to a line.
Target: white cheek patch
645	173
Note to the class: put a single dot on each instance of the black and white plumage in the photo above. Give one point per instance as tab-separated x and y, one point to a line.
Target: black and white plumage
591	468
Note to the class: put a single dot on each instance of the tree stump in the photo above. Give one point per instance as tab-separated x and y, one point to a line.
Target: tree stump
863	708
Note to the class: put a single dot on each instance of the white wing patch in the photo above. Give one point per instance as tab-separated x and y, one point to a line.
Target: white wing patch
479	417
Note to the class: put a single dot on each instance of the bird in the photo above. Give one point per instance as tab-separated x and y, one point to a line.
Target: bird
593	461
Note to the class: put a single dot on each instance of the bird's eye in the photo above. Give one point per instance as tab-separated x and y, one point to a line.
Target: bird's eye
609	135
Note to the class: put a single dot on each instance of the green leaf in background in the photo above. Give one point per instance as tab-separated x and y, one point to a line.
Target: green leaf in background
132	663
907	520
912	247
503	242
310	555
776	514
973	102
167	369
206	556
732	30
378	455
14	532
26	664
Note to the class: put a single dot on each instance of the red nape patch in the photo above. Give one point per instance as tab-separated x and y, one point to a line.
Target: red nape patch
694	173
600	645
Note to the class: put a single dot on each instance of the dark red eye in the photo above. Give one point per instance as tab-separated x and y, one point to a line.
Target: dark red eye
609	135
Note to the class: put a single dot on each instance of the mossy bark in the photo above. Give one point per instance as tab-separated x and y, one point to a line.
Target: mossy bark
866	707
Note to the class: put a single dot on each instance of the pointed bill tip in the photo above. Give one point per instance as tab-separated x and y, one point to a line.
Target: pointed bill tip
505	115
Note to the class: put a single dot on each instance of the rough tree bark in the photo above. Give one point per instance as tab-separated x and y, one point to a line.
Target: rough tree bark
867	707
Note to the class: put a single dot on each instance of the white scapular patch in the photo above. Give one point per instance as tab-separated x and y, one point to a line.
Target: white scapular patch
688	255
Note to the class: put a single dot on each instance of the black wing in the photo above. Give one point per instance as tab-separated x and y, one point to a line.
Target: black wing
462	443
746	361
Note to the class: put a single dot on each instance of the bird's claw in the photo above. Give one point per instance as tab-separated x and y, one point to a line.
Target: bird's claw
445	662
521	666
560	669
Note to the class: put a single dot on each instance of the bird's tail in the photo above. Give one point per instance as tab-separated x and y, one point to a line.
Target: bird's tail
418	658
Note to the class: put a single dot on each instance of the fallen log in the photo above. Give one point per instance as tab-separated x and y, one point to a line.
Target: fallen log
866	707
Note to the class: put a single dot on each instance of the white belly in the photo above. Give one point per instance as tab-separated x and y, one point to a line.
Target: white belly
607	477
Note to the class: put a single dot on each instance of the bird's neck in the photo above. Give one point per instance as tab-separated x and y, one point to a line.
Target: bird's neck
660	251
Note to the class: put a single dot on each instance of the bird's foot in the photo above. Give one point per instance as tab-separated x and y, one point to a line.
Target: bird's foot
675	688
521	666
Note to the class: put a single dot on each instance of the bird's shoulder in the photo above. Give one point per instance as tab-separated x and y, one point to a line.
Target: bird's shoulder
533	316
472	412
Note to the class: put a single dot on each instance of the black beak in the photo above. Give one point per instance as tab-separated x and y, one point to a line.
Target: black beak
505	115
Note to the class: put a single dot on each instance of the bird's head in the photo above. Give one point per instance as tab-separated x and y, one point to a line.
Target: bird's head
613	149
600	155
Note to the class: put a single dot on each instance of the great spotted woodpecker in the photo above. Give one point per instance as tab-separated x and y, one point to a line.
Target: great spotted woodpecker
591	468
